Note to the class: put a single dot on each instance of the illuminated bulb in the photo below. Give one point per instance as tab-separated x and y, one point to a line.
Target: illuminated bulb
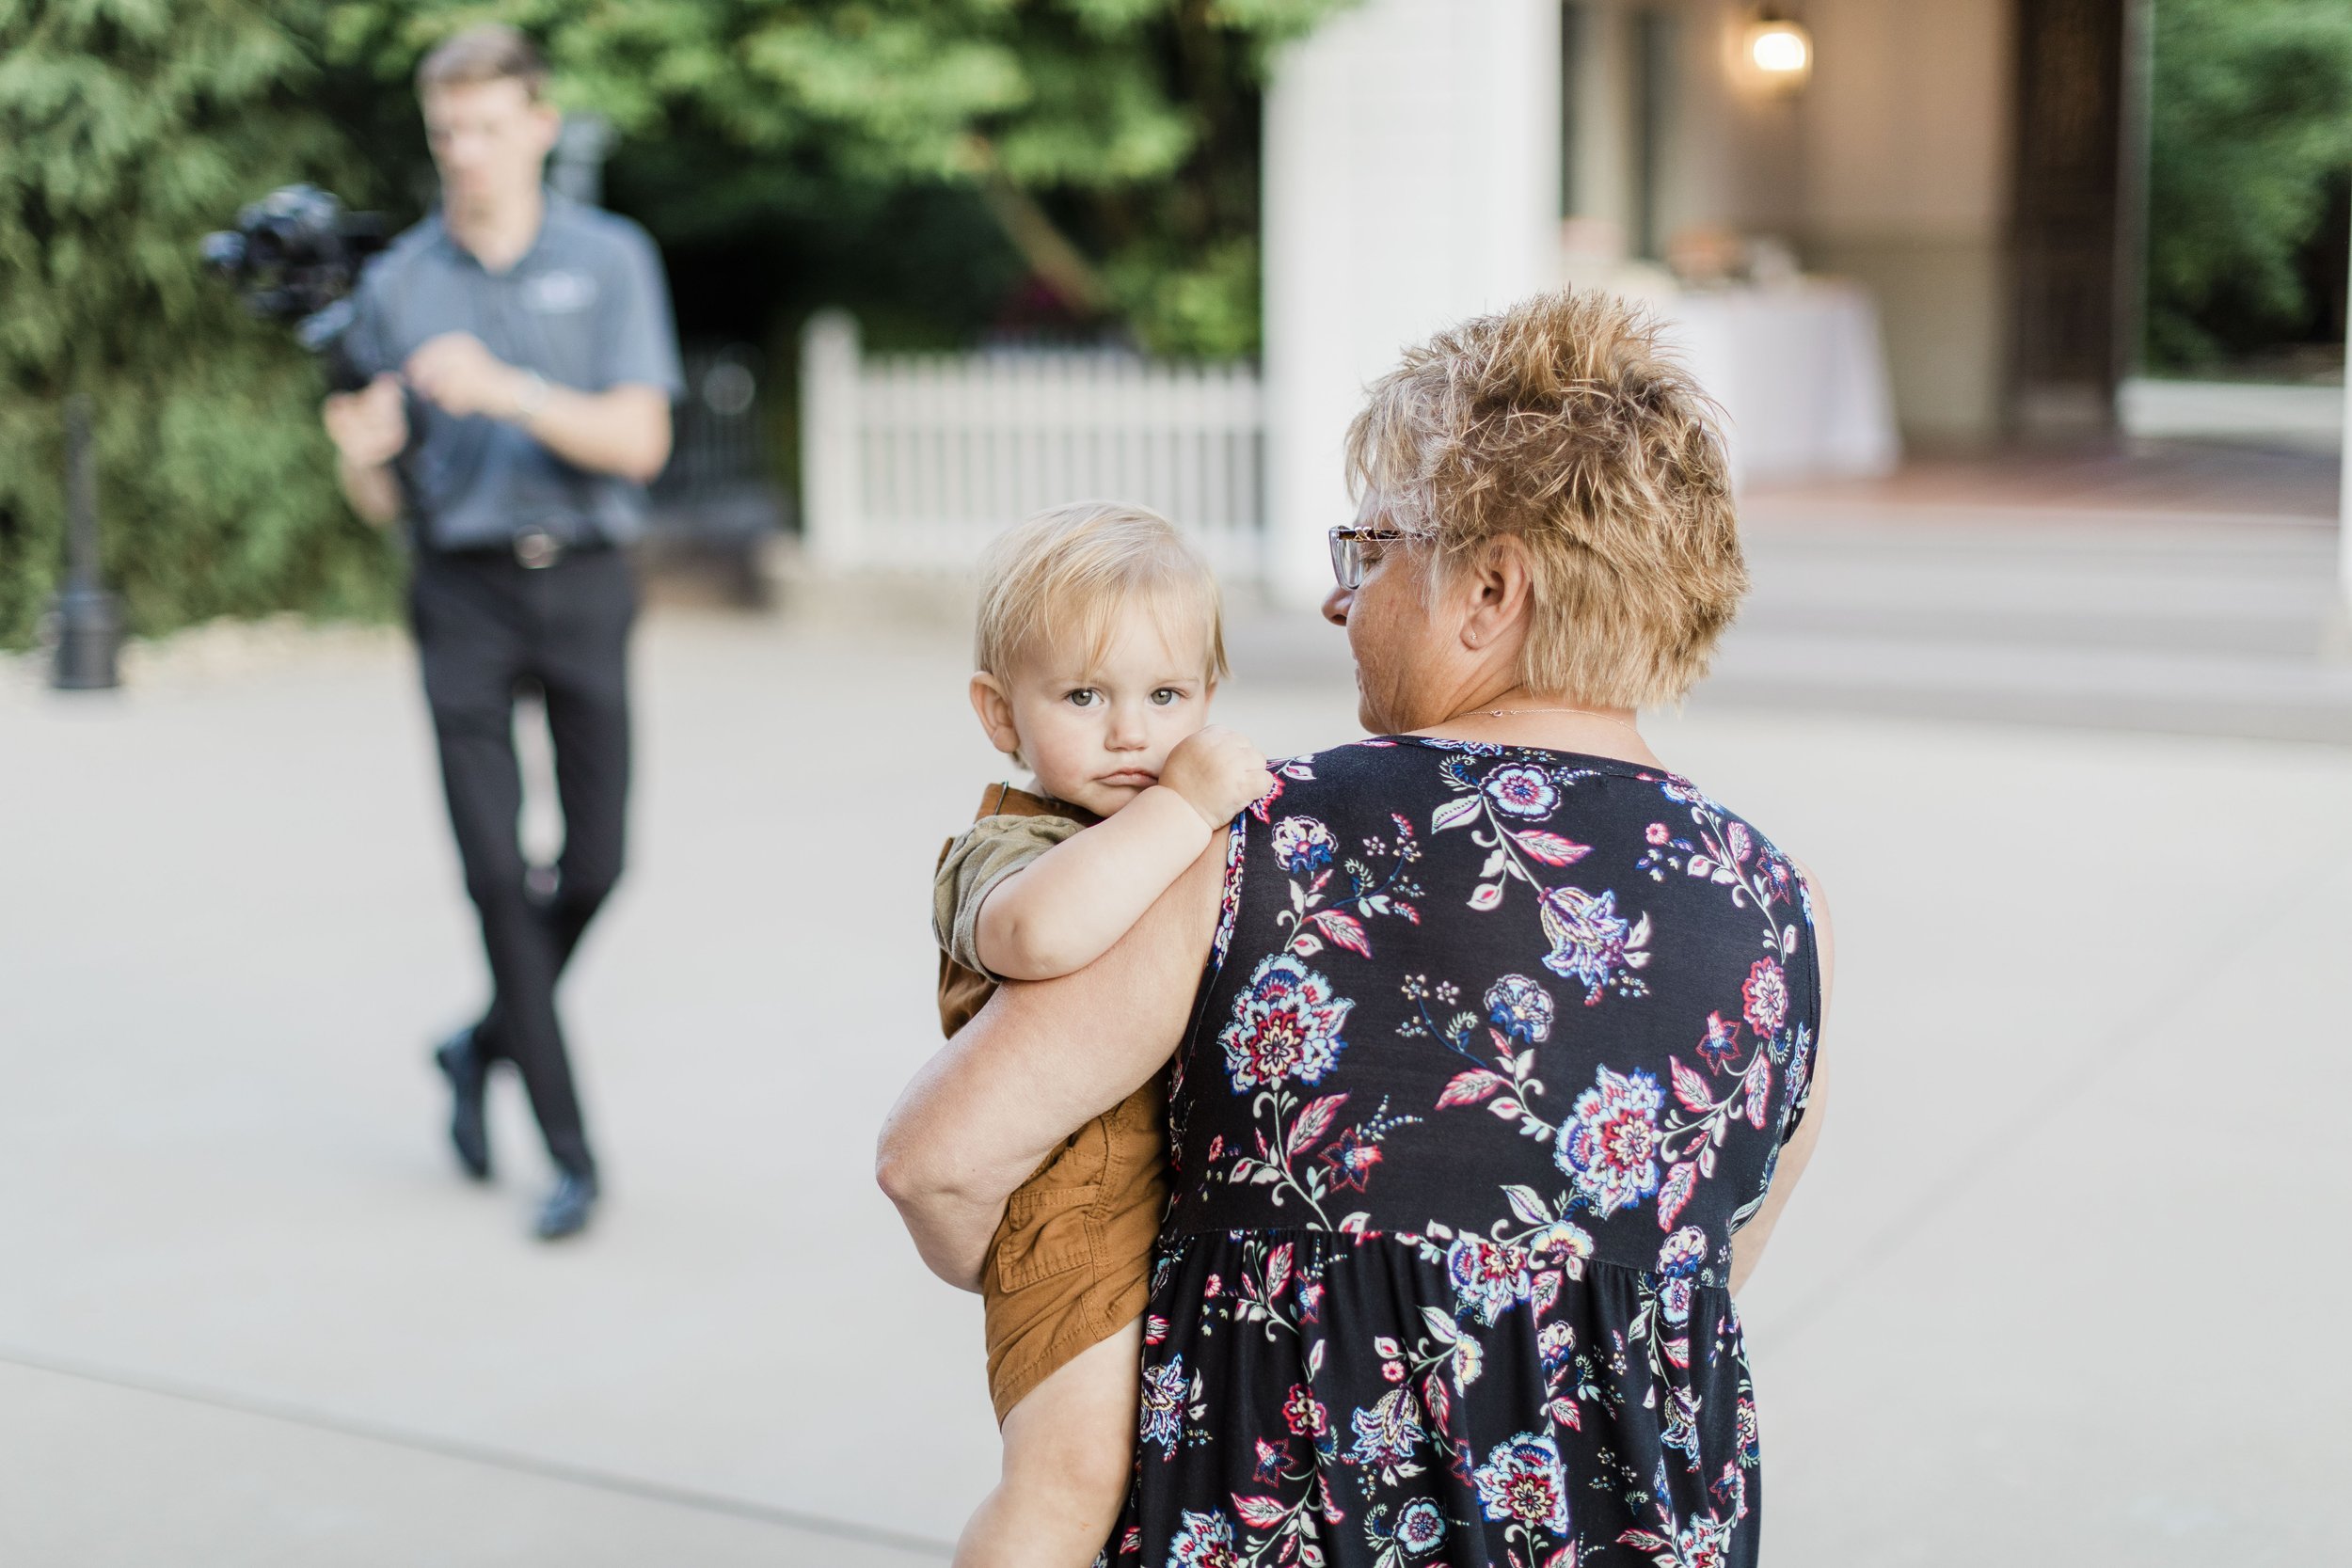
1780	49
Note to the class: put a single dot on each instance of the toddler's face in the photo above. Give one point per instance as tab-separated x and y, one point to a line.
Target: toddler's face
1097	730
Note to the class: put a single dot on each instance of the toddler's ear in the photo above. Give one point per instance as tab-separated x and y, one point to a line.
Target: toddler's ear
991	701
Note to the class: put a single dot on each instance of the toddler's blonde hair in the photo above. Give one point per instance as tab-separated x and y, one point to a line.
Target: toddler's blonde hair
1067	574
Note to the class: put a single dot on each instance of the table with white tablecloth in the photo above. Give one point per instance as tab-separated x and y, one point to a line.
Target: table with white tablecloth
1799	370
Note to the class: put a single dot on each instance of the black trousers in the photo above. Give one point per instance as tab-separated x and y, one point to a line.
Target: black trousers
487	630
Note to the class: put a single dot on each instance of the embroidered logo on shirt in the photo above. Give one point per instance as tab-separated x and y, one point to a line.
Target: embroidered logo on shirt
552	291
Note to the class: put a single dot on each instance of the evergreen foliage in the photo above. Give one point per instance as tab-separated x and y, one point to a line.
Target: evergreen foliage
916	158
2251	144
128	129
1112	144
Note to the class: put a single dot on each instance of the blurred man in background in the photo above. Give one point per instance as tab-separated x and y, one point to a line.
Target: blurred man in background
523	363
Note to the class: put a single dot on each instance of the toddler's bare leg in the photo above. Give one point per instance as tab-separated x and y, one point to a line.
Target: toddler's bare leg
1068	1454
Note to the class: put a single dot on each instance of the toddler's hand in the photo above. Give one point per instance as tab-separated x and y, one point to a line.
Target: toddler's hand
1218	771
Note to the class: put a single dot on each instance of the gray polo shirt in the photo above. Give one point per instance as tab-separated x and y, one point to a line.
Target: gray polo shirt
586	307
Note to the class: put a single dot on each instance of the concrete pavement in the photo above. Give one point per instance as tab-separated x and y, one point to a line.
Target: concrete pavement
2048	1294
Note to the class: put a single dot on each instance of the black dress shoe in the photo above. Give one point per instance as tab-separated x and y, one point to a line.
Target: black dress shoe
566	1210
466	1072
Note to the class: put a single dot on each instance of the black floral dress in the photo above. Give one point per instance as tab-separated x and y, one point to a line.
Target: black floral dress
1497	1050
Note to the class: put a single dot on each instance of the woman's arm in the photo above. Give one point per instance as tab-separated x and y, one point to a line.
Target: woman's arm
1039	1060
1747	1247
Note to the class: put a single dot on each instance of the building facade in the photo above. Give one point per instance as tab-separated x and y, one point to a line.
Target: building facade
1966	163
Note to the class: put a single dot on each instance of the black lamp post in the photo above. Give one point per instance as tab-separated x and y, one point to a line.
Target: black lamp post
90	619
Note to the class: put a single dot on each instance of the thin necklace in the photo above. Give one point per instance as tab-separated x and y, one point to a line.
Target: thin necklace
1509	712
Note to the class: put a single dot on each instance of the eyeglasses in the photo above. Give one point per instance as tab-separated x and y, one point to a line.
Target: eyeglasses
1347	551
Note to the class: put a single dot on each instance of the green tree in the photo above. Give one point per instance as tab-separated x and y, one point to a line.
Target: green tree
128	129
2250	138
1113	144
929	153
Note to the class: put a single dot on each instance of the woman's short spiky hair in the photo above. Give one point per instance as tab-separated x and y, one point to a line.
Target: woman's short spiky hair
1068	573
1564	422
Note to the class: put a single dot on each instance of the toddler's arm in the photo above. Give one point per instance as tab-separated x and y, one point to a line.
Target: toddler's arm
1068	906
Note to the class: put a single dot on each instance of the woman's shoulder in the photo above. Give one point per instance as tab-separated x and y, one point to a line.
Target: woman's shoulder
1439	783
1448	765
1732	834
1333	779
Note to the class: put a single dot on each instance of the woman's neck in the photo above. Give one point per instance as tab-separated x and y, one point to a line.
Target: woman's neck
1557	723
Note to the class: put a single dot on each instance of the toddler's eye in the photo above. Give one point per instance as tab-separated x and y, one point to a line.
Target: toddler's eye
1167	696
1086	696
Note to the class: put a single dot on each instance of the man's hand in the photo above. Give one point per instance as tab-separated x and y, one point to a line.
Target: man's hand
457	374
1218	771
369	427
624	428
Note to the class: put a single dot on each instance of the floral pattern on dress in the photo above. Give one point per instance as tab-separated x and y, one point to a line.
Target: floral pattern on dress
1286	1026
1498	1049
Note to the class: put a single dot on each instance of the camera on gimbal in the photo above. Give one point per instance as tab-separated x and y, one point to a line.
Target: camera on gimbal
295	256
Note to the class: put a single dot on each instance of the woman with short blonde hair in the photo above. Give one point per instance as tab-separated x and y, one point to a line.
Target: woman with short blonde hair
1564	424
1501	1064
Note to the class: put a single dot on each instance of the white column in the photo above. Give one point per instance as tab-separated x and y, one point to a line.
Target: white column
832	499
2344	497
1412	179
1601	101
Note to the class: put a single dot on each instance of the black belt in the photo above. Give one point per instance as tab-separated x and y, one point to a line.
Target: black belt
533	548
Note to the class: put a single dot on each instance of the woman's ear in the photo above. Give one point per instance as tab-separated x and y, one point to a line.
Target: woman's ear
991	701
1498	584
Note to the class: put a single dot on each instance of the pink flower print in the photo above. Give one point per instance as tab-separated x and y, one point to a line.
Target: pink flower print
1387	1432
1285	1026
1767	995
1522	790
1522	1480
1722	1042
1683	1252
1609	1145
1521	1009
1588	941
1304	1413
1488	1276
1163	1407
1302	843
1421	1527
1562	1245
1705	1542
1203	1541
1351	1159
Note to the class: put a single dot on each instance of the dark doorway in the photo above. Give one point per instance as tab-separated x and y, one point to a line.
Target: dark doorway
2065	354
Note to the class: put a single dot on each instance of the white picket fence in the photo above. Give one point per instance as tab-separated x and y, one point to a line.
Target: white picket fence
912	462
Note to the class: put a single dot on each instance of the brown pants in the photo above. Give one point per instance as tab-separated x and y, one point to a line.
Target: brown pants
1070	1264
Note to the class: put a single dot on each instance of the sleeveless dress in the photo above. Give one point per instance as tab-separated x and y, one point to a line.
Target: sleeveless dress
1497	1048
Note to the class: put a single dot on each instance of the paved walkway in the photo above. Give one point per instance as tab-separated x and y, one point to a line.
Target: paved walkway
2047	1297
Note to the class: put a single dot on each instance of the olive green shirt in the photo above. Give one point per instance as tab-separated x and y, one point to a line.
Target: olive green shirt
989	850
